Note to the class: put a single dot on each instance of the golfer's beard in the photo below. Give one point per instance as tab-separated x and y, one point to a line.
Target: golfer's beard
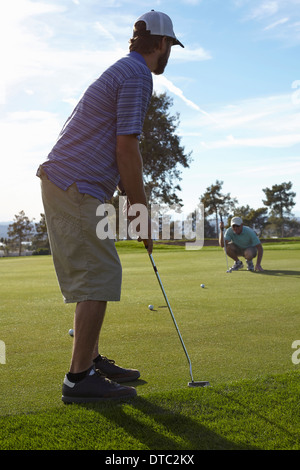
161	63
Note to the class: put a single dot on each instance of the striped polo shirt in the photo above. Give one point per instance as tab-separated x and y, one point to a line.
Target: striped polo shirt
115	104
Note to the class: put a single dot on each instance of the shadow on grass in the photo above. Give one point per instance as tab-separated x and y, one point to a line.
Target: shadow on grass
280	272
269	423
160	428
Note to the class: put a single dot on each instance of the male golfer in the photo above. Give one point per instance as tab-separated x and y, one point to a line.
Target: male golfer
241	241
98	150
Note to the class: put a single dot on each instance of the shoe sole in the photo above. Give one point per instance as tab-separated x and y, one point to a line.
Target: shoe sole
69	400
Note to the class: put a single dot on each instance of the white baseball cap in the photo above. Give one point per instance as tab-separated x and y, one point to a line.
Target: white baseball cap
160	24
236	221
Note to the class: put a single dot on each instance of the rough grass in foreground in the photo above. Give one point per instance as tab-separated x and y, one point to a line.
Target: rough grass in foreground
251	415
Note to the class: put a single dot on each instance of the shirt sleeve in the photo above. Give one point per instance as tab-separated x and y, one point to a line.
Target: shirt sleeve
132	105
227	235
255	239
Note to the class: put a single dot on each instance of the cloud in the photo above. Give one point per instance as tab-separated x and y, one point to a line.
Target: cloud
26	138
162	83
270	141
35	58
266	122
190	55
276	23
291	166
24	135
264	9
283	14
104	32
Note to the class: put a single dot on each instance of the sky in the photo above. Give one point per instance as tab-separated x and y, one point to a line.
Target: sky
235	85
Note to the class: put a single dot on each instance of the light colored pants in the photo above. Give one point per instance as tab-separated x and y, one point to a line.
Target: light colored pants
87	268
252	250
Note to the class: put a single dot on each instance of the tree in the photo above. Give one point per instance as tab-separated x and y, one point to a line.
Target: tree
161	152
20	230
40	240
215	202
280	201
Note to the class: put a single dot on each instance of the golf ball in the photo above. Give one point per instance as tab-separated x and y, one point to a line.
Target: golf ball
150	307
71	332
202	285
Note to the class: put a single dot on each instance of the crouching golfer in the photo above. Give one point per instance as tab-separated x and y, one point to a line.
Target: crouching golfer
241	241
98	150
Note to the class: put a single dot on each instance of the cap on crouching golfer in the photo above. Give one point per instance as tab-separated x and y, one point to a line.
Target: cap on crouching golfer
236	221
158	24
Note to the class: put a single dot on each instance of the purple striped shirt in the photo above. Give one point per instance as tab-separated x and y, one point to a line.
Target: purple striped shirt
115	104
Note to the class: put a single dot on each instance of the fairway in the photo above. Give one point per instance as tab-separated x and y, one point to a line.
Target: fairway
239	327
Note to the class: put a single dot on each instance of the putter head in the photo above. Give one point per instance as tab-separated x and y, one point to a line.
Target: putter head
199	384
228	271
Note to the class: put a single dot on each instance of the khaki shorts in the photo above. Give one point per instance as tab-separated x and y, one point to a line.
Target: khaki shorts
87	268
241	251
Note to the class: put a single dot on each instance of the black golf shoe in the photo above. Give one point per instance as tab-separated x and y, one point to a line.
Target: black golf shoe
94	388
113	372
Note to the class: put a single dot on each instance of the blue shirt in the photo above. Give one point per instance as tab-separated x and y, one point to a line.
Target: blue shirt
115	104
246	238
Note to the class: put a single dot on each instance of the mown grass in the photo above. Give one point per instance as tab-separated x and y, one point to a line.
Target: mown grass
262	414
238	330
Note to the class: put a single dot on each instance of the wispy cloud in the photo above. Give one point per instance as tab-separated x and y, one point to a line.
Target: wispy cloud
290	166
276	23
21	45
269	122
35	131
264	9
38	58
190	55
270	141
279	18
26	138
53	49
161	84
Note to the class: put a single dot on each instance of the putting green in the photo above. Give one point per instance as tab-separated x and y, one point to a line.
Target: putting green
241	325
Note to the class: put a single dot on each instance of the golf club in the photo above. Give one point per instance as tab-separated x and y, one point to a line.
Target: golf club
228	269
192	383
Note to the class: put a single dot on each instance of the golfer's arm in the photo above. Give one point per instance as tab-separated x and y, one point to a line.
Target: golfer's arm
259	253
221	239
130	166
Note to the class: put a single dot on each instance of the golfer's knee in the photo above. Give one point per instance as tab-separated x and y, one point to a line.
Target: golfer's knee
230	250
250	253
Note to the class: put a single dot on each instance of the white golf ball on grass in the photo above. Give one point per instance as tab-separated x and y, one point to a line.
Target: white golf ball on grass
202	285
71	332
150	307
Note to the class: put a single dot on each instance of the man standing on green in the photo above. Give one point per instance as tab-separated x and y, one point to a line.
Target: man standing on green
98	150
241	241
